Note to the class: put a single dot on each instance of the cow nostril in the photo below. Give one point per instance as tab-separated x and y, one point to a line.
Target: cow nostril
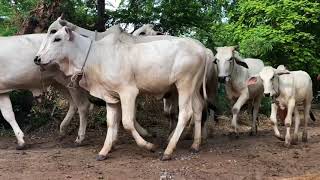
222	79
37	60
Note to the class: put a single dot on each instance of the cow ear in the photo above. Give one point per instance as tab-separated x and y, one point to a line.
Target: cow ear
63	22
70	33
252	80
62	16
235	48
241	63
281	72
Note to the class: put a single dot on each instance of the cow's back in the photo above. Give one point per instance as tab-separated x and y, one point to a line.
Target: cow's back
255	66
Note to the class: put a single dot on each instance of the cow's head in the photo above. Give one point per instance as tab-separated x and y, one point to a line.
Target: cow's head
226	59
63	46
270	79
146	30
53	29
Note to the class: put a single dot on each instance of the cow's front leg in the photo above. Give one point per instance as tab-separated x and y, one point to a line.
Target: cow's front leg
185	113
288	121
81	100
273	118
8	115
113	119
296	126
236	109
128	106
66	121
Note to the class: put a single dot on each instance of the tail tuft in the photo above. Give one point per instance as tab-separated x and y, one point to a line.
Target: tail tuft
312	116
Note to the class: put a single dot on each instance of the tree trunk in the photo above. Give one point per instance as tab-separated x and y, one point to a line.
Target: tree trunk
100	24
40	18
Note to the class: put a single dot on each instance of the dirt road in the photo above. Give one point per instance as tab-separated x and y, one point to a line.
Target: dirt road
261	157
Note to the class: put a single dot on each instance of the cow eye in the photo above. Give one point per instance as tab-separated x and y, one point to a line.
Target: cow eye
57	40
53	31
142	33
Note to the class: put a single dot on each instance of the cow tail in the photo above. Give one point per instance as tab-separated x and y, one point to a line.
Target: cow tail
312	116
204	81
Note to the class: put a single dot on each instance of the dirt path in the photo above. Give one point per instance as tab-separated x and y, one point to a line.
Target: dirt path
261	157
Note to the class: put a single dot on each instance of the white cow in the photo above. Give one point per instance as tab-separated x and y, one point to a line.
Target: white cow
117	68
287	89
19	72
234	71
95	36
170	100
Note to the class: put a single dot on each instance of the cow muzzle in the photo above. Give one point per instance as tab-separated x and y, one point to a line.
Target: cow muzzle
37	60
222	79
267	94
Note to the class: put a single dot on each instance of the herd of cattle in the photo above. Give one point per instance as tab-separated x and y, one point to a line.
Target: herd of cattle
116	66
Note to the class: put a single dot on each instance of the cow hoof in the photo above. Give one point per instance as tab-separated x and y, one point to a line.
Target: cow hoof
253	133
153	148
304	137
61	137
281	138
165	157
234	135
294	140
21	147
101	157
287	144
204	141
194	150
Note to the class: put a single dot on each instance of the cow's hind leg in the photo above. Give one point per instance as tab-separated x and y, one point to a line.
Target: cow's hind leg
113	119
128	107
197	114
8	114
255	112
296	126
306	119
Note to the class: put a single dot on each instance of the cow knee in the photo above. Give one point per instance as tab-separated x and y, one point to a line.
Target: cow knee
235	110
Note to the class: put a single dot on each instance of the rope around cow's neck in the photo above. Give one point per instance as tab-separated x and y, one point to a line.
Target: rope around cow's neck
75	77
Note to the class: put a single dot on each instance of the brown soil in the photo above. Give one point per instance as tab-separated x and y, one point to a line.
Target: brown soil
260	157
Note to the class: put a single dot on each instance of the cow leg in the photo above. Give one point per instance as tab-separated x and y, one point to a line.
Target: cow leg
296	126
113	120
236	109
306	119
288	121
255	112
66	121
204	126
143	132
273	118
197	114
8	115
128	100
185	113
81	100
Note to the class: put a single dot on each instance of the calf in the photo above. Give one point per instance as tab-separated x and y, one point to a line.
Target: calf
287	89
234	71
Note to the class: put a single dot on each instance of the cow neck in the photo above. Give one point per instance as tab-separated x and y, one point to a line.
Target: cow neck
235	72
75	78
86	33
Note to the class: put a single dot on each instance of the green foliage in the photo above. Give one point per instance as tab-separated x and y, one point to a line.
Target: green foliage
279	32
